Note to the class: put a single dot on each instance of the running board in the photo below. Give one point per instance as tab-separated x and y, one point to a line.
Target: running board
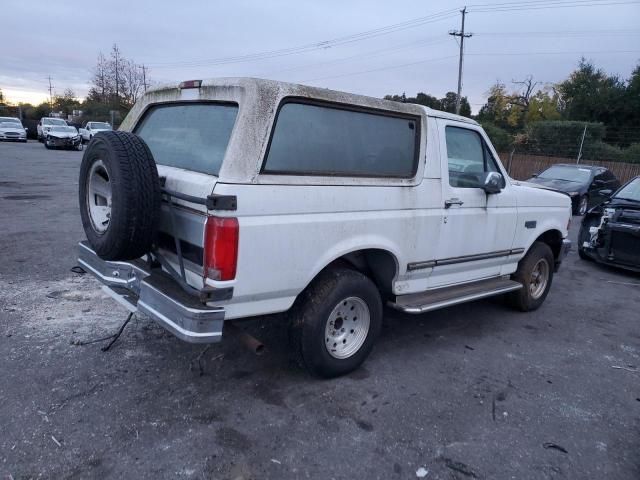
447	296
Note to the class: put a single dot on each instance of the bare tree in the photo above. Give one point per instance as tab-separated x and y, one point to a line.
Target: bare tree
117	80
527	90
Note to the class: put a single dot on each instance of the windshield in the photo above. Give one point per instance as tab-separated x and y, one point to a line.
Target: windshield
59	128
193	136
100	126
10	124
10	120
631	191
53	121
565	172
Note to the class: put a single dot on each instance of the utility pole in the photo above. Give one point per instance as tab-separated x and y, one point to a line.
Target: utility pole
462	35
584	132
50	93
144	77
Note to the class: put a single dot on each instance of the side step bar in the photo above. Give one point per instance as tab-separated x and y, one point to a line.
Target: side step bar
447	296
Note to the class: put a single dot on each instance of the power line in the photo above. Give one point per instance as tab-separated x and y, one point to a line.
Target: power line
370	54
389	29
579	52
390	67
322	45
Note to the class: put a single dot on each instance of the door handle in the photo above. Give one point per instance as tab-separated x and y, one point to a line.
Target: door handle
452	201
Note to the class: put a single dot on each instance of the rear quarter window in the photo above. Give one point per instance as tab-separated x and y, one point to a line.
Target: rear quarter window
317	139
190	136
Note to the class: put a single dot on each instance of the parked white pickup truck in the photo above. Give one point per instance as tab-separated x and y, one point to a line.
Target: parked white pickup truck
233	198
91	128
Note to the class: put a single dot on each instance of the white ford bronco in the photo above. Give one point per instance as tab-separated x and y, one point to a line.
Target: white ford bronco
230	198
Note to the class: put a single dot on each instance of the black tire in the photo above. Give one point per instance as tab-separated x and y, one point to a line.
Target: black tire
46	145
524	299
128	167
310	316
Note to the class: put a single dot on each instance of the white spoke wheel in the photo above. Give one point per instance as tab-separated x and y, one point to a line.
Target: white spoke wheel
535	273
98	197
335	322
347	327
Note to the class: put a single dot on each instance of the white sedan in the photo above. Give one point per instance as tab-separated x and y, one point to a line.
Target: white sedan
11	129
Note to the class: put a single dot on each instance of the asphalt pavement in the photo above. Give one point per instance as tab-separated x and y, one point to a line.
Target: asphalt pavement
477	391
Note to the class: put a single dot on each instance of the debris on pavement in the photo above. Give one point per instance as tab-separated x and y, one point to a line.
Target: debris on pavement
422	472
555	446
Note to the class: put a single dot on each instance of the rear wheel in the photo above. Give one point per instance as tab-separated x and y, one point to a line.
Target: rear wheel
535	273
335	322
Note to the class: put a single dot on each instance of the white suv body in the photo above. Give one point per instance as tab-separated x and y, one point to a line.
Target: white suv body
309	178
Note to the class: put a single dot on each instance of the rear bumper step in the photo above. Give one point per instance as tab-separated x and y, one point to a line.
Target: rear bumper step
137	288
445	297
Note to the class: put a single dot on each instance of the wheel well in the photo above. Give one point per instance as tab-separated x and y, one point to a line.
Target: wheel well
379	265
553	238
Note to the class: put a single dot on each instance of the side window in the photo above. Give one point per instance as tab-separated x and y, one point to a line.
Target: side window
469	157
311	139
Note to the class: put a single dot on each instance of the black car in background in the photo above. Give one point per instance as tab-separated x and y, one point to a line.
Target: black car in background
587	185
610	232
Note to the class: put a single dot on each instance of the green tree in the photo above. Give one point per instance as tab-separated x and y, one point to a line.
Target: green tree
447	104
66	103
590	95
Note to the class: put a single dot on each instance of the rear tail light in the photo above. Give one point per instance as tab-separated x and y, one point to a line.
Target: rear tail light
221	248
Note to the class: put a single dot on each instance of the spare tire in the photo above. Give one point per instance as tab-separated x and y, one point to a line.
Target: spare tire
119	193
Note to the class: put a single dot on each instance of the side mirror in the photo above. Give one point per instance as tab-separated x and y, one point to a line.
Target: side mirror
534	175
606	192
492	182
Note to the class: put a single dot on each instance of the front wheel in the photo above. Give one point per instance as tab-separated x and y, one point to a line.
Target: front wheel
47	145
535	273
335	322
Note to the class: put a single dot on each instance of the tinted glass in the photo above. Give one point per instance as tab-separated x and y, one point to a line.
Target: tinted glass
193	137
468	158
319	140
631	191
567	173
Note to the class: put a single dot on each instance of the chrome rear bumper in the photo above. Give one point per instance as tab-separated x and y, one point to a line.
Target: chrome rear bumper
137	288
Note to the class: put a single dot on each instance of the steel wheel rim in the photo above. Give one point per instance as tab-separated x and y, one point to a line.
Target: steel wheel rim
583	205
99	197
539	278
347	327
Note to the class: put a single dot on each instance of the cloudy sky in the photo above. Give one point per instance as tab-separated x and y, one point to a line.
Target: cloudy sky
368	47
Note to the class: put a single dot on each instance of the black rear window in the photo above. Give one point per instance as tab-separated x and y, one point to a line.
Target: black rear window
192	136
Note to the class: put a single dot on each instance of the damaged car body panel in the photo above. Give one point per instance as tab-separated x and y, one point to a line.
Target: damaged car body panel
610	232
